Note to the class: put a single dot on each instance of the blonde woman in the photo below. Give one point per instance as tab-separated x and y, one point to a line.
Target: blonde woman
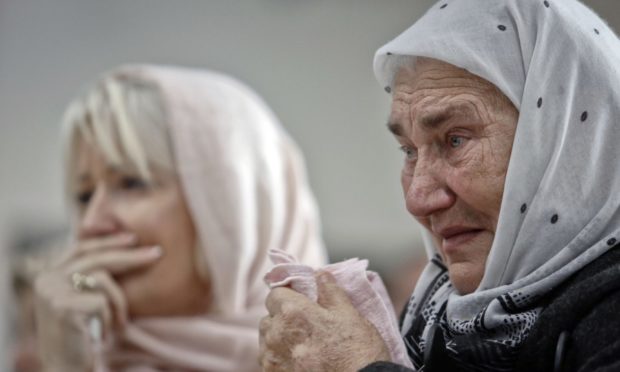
181	181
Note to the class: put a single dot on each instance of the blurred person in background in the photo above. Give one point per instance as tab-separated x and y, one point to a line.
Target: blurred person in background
180	181
507	113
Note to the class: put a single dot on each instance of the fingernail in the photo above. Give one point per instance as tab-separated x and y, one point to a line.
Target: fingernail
156	250
129	237
95	329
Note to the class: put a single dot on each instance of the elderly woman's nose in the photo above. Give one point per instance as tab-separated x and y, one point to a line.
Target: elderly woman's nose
427	192
97	218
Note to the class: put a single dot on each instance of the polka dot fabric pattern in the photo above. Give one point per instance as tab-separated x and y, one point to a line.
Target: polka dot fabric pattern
557	62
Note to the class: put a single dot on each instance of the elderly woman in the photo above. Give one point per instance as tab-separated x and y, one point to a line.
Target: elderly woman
506	112
181	181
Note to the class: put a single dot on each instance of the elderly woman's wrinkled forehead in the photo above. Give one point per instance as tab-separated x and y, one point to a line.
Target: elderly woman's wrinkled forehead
424	73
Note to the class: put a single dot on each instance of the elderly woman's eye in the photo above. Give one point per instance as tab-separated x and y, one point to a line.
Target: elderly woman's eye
410	152
455	141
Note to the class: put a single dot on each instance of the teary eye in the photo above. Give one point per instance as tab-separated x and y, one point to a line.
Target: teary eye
455	141
410	152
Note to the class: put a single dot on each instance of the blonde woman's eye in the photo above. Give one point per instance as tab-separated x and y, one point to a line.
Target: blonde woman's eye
455	141
83	197
133	183
410	152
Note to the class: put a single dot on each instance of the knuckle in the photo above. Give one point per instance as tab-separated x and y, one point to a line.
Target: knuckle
273	298
297	335
289	330
270	362
272	339
296	315
264	325
291	310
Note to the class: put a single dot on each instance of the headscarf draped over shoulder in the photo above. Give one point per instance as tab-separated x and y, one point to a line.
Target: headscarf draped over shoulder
244	182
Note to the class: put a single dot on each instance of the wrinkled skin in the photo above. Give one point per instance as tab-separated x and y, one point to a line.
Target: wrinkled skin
331	335
456	131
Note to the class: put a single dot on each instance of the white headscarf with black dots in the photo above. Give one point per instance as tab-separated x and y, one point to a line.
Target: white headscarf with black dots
559	64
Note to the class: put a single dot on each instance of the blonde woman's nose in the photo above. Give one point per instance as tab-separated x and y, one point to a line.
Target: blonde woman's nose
97	218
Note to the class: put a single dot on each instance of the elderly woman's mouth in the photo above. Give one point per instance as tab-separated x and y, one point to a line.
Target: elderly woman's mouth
455	237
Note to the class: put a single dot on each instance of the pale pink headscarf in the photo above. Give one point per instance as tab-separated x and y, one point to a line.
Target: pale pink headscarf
244	182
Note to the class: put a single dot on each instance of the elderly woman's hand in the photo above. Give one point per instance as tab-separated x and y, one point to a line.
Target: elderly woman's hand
300	335
78	302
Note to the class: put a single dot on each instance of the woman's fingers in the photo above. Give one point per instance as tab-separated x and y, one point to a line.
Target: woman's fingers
113	292
105	243
281	297
79	309
74	312
91	273
115	262
68	324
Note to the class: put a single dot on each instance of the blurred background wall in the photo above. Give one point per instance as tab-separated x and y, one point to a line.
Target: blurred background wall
310	59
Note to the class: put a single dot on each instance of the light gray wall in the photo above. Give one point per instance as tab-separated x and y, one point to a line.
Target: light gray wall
310	59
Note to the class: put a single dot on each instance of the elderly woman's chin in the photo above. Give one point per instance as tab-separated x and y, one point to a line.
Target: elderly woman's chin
466	261
465	276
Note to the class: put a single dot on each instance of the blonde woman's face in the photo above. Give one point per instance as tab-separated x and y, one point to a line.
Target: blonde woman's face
114	200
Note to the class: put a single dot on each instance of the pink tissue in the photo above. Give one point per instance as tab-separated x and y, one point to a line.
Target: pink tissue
365	289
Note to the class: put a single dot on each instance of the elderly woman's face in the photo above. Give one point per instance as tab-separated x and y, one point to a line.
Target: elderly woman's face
456	130
115	200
